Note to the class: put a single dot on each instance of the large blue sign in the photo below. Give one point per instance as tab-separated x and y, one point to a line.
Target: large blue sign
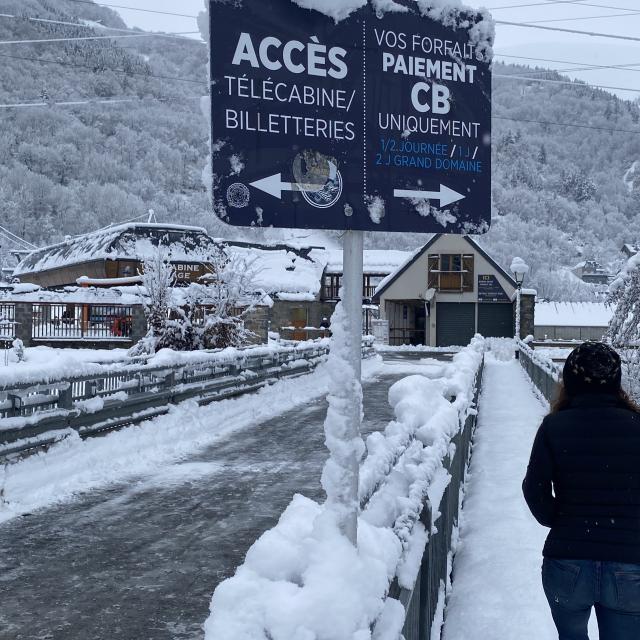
371	123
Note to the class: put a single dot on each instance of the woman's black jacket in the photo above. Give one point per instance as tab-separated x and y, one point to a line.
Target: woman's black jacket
589	454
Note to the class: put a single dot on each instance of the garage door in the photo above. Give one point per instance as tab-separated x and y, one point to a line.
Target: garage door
495	320
455	323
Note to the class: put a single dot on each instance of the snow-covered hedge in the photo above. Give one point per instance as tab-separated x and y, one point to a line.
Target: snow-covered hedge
303	580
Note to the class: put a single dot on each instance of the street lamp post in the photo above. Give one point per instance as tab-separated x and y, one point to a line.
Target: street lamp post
519	268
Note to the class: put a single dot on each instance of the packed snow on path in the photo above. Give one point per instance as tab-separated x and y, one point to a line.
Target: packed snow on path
497	592
73	466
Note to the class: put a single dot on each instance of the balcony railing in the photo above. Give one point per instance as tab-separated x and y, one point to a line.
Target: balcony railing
331	293
81	322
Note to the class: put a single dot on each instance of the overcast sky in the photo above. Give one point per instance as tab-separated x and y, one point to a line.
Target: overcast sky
511	41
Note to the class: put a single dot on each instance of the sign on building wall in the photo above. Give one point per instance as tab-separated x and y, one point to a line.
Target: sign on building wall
490	290
380	330
190	271
373	123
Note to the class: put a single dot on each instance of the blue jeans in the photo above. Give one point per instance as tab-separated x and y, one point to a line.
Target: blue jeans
572	587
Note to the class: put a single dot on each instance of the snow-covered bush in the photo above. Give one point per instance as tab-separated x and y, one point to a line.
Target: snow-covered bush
624	328
206	315
18	349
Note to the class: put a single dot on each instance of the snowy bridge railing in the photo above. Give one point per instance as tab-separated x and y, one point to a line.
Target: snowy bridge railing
304	579
423	597
543	373
36	412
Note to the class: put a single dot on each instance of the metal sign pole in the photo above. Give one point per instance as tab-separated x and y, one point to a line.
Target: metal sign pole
352	301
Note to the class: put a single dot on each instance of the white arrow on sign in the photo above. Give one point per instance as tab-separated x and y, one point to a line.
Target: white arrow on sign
274	186
446	196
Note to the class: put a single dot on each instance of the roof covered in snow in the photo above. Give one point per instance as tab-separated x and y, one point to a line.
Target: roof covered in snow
290	272
131	241
375	261
572	314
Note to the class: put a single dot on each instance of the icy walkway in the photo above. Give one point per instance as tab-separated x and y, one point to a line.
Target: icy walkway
497	593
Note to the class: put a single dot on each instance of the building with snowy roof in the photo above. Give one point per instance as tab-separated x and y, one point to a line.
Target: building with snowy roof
592	272
449	290
114	255
572	320
300	285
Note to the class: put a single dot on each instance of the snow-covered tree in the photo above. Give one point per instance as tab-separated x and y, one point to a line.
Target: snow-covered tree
158	277
624	328
228	296
202	315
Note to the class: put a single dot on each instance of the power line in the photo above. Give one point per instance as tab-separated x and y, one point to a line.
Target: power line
608	15
47	21
622	67
573	3
96	25
117	6
69	103
75	103
564	82
584	33
140	35
579	68
92	68
16	239
567	124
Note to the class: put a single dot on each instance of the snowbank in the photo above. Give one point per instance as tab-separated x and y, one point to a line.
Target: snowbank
304	580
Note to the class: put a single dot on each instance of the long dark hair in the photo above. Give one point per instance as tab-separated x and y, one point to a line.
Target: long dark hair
563	400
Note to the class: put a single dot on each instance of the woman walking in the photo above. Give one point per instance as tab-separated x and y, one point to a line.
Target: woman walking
583	482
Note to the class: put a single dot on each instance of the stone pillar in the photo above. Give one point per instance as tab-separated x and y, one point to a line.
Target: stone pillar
527	314
138	323
258	322
24	319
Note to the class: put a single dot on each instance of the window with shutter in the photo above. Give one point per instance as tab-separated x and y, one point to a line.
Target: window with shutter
432	281
467	276
450	272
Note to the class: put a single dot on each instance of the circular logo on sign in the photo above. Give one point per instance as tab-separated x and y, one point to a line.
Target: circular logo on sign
318	179
238	195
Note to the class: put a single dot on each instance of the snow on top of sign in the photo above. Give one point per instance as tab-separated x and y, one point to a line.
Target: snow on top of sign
451	13
573	314
336	9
